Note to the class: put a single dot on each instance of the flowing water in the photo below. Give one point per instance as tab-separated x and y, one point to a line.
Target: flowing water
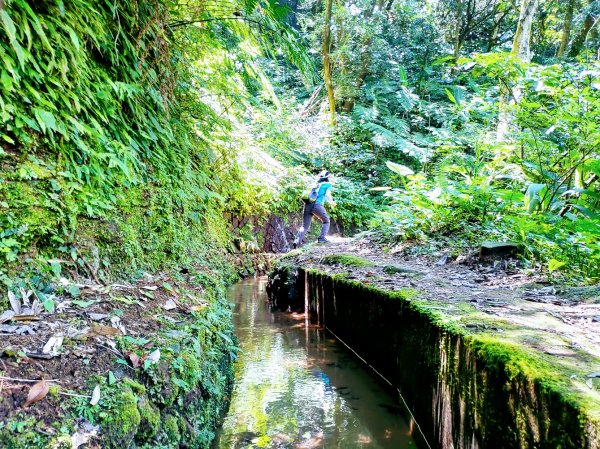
297	387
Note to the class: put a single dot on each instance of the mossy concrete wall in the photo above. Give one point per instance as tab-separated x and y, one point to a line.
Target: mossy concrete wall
464	392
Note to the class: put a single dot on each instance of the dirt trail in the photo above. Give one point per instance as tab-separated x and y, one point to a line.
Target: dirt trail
511	304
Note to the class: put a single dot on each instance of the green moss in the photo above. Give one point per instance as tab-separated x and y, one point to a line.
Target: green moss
171	429
53	391
517	362
122	423
61	442
347	260
150	420
400	294
135	386
20	432
394	269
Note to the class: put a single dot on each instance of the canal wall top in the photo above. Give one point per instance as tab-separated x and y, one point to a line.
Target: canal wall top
533	331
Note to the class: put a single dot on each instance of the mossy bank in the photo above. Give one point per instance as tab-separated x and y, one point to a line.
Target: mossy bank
466	388
160	350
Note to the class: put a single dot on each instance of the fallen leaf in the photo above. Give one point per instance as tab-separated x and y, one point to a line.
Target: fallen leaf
135	359
83	436
36	307
19	330
154	356
14	302
25	295
78	439
53	345
150	287
169	305
97	316
6	316
95	395
590	383
116	322
37	392
26	318
104	330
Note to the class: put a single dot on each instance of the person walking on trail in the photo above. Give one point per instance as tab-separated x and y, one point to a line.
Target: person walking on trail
315	205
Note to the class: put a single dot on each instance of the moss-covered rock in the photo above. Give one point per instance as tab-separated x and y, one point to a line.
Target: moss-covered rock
346	260
122	423
170	430
150	419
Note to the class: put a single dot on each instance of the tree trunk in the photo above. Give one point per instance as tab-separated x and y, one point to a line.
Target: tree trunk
365	59
327	61
581	37
566	31
521	43
457	44
521	49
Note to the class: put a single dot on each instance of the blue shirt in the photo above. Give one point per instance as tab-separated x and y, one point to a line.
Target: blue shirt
322	192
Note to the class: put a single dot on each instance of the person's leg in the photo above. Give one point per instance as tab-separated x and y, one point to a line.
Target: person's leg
320	212
306	219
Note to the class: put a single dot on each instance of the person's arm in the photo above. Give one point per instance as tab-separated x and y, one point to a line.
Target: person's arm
329	198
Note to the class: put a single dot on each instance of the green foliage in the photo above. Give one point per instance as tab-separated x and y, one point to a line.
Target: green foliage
120	133
78	127
418	122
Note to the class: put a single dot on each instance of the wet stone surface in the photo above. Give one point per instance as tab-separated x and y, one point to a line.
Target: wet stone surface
297	387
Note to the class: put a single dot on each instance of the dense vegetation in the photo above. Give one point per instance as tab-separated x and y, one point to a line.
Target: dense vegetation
131	131
446	125
125	130
477	119
121	132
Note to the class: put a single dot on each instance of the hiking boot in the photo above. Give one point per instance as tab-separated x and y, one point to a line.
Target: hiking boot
323	240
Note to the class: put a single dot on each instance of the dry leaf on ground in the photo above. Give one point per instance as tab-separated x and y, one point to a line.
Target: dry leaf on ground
104	330
37	392
169	305
95	395
135	359
154	356
53	345
14	302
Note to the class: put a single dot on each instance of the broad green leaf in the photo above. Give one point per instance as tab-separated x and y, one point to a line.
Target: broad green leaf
402	170
10	29
554	265
45	119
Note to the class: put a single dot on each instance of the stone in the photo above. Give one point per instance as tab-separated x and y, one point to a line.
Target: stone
498	249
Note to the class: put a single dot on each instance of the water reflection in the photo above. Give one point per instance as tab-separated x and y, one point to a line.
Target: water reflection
296	387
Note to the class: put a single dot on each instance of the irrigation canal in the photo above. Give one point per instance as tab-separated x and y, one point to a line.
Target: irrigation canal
298	387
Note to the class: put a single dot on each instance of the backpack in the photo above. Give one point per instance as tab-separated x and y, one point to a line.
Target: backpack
312	195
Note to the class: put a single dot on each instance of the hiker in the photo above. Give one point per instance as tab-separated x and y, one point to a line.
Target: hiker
314	204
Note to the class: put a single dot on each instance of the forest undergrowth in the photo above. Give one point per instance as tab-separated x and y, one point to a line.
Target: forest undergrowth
455	129
131	131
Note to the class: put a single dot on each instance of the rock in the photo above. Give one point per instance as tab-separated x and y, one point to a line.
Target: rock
395	269
498	249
